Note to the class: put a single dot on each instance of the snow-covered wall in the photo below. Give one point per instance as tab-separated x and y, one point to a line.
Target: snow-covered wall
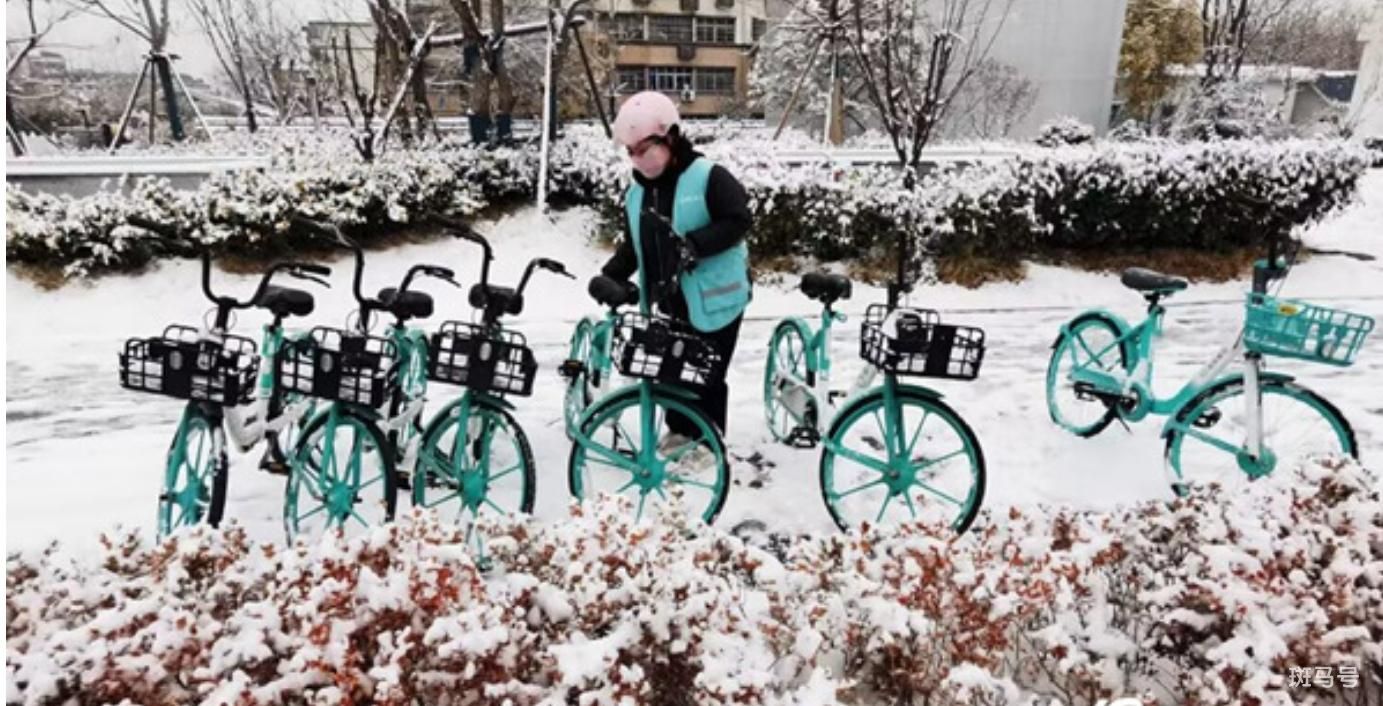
1366	111
1070	50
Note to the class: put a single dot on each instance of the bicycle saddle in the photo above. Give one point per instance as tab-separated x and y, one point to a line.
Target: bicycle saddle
1143	280
612	292
285	301
409	305
825	288
497	299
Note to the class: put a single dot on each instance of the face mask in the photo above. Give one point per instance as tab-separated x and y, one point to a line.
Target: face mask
652	161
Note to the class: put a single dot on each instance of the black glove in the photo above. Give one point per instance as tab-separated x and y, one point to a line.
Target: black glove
686	253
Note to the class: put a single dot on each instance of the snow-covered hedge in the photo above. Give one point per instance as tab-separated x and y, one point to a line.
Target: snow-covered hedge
1209	600
1147	194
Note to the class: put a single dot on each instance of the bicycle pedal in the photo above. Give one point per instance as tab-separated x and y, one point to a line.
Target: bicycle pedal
803	437
274	467
571	369
1209	419
872	443
836	395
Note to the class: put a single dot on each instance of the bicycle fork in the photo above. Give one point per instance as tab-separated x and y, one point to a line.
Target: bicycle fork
1253	406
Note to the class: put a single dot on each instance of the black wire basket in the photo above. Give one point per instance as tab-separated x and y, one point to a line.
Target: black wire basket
919	344
180	364
344	366
662	349
489	360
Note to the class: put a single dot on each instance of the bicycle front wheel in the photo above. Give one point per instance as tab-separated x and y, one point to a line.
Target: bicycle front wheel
482	464
617	454
341	477
1207	441
926	464
788	402
194	477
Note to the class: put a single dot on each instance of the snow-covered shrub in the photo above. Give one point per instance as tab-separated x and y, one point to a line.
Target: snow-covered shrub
1129	130
1146	194
1212	599
1227	110
1065	131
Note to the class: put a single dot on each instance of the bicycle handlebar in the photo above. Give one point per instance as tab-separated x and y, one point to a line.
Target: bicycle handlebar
464	231
548	264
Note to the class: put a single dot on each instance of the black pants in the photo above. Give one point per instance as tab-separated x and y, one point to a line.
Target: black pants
713	399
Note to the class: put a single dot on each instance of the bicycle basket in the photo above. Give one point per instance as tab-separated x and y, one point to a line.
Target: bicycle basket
487	360
915	342
662	349
340	365
1292	328
180	364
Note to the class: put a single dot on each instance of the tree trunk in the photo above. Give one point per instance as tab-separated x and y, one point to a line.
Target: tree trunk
163	66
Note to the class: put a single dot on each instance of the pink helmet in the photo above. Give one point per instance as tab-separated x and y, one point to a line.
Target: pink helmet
644	115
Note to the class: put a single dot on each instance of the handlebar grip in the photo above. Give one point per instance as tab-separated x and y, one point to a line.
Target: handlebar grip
440	272
319	270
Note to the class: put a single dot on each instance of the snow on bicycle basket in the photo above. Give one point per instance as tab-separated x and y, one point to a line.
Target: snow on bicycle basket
485	360
657	348
915	342
340	365
1291	328
180	364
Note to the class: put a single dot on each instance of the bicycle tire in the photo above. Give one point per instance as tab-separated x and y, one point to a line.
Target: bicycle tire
1090	319
198	429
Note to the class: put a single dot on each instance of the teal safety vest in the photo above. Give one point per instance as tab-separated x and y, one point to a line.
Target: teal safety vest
717	290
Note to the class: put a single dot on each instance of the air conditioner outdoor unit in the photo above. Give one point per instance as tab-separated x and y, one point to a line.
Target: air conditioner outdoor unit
689	5
686	52
725	4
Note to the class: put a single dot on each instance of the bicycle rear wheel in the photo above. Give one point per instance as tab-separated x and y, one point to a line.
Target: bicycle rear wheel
930	466
342	476
194	475
788	403
583	381
1207	439
620	455
1090	341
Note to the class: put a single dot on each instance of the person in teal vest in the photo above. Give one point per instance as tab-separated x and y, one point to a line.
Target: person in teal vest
682	208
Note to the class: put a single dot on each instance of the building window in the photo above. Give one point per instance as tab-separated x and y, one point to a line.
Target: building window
715	30
758	29
630	79
626	27
669	79
715	82
674	29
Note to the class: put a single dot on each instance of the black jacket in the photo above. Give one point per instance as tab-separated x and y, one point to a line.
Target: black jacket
730	222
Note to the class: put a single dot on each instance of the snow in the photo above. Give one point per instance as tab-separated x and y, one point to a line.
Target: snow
84	456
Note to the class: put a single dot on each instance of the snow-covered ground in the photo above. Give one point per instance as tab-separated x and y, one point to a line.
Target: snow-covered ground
84	455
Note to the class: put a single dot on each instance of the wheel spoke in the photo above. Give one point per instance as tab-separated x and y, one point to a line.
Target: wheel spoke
676	455
505	472
867	461
928	463
682	480
858	488
883	508
917	434
938	493
495	507
443	499
311	512
1221	444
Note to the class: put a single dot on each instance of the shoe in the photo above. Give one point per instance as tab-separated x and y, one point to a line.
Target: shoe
672	441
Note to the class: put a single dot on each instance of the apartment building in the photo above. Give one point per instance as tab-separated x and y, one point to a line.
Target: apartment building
697	51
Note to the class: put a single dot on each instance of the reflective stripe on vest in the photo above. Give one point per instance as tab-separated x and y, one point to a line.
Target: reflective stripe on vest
717	290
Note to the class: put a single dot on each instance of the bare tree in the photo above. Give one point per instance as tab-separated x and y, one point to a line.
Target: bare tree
1229	28
483	57
144	20
36	31
223	23
992	103
1321	34
914	58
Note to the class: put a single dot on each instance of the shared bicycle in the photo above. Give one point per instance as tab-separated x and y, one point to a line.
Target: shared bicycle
474	455
892	451
618	440
231	388
346	464
1224	425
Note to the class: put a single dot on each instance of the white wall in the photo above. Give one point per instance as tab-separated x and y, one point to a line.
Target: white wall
1366	110
1070	50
